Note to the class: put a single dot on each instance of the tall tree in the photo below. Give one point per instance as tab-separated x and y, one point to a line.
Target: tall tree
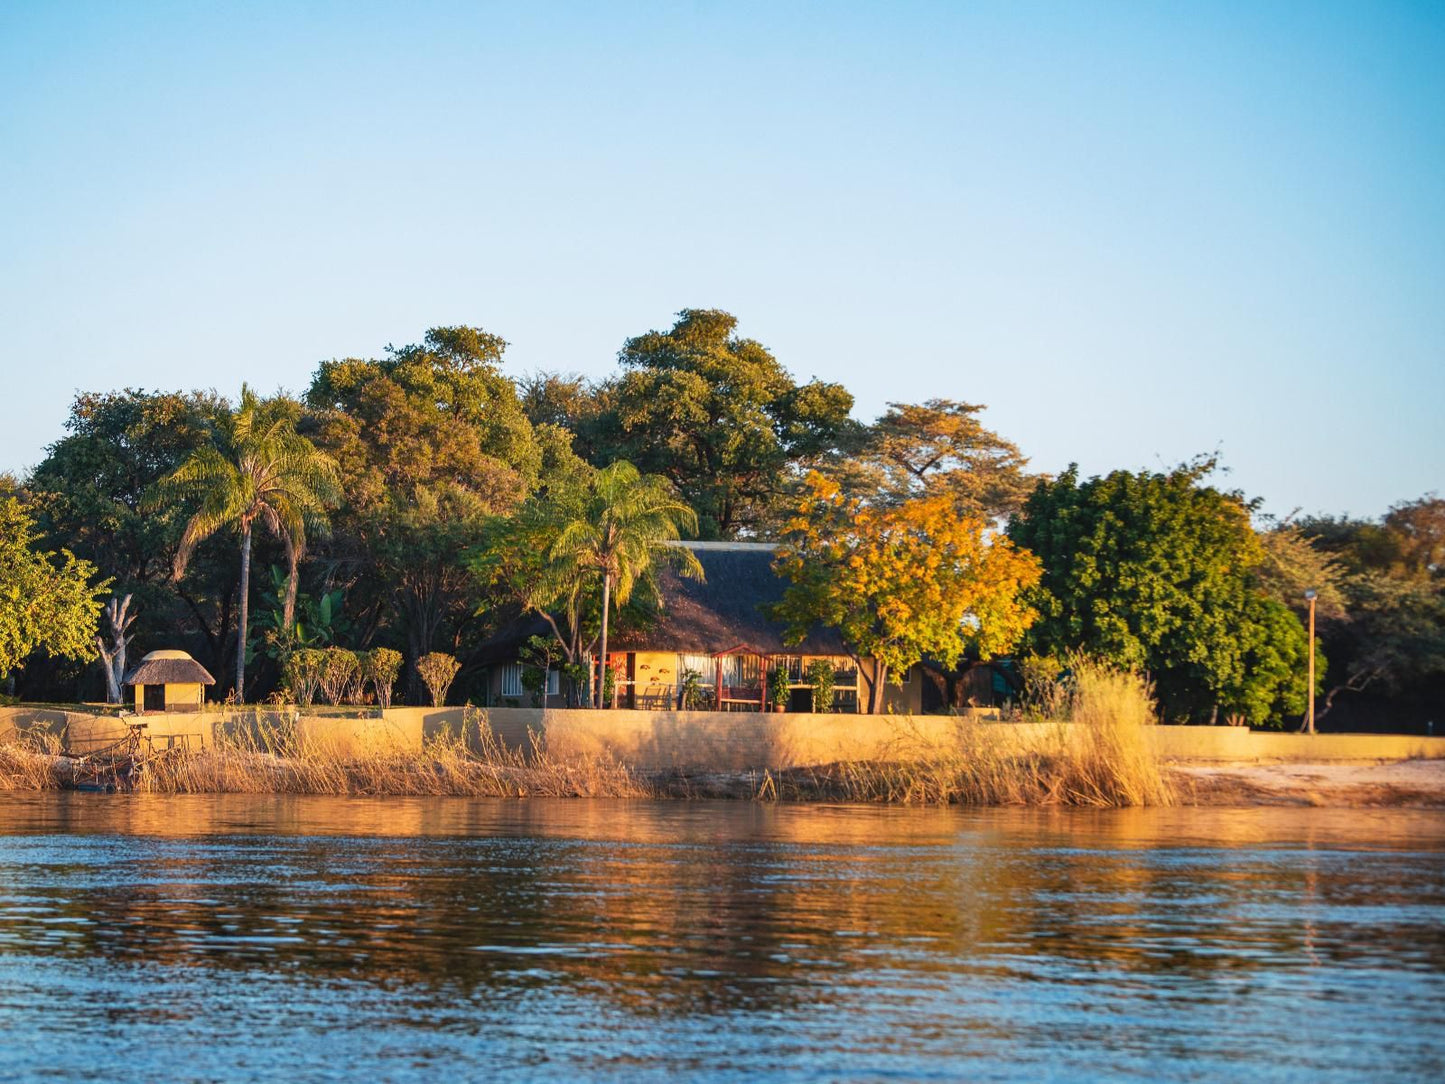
514	569
259	471
45	604
1157	571
720	418
936	448
1390	642
902	582
628	524
112	655
432	442
88	495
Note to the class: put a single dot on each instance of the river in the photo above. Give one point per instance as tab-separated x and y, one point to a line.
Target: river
231	938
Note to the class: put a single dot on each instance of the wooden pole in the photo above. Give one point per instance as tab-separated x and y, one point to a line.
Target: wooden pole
1310	718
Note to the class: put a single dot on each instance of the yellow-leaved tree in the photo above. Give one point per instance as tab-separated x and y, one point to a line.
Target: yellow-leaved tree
902	582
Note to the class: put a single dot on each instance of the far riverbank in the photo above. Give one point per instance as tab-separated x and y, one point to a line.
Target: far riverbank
1408	784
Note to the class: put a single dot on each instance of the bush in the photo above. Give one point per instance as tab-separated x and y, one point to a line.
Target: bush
380	668
778	691
340	674
691	691
820	675
302	673
437	670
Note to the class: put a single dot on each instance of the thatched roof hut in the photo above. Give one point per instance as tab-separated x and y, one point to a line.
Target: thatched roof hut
169	667
727	610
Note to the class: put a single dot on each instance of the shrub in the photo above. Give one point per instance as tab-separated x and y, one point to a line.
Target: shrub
1045	687
302	673
339	674
380	668
691	691
536	656
437	670
778	691
820	675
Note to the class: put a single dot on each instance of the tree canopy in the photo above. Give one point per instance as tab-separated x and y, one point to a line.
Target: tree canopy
902	582
1158	571
47	603
431	441
455	481
936	448
258	471
720	418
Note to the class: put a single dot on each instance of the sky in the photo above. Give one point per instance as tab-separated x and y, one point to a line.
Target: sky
1136	232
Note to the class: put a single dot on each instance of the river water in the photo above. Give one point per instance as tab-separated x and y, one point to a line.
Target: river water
231	938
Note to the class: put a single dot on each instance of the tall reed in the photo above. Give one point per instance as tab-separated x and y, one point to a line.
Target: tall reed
264	758
1095	753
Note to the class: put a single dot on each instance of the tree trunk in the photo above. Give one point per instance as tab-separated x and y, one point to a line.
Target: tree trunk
244	615
602	670
288	608
875	690
113	655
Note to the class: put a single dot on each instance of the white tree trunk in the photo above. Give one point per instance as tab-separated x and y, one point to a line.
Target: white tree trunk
113	654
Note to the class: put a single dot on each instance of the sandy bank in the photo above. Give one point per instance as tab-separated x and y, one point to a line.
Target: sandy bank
1412	783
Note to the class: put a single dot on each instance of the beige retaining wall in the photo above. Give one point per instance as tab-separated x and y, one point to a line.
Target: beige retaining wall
723	741
660	740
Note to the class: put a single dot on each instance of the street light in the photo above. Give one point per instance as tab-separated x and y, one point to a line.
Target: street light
1310	717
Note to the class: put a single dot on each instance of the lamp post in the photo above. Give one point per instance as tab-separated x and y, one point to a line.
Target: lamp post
1310	717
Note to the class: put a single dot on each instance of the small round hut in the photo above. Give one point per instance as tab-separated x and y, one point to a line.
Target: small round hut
169	681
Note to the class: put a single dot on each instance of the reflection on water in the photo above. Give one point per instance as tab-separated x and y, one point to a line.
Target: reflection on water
224	938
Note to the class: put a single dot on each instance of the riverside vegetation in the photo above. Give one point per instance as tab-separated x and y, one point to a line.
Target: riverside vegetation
1095	755
409	507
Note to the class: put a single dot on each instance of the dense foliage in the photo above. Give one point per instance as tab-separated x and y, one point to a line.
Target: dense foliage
46	604
1159	572
902	582
423	502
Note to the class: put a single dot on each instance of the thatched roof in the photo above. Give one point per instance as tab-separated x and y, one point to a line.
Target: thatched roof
169	668
726	611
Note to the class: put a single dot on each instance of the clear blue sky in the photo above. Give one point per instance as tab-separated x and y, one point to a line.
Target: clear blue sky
1136	231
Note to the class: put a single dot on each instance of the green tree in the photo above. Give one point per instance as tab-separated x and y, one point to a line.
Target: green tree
46	604
1390	641
720	418
260	470
432	443
1157	571
1292	564
628	523
88	495
901	582
515	572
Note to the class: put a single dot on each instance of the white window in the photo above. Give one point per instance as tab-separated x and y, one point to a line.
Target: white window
512	679
554	682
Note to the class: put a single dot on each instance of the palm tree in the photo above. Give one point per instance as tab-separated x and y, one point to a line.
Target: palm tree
258	468
630	521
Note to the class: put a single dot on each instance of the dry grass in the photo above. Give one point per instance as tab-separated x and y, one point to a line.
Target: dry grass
259	757
33	764
1097	755
271	760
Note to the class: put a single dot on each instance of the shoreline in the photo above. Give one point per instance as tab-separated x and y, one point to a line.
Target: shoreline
1406	784
1409	784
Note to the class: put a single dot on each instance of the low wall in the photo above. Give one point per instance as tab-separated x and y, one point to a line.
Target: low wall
727	741
662	740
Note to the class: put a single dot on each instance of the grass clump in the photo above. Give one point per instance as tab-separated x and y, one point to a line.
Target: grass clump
1093	752
261	758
